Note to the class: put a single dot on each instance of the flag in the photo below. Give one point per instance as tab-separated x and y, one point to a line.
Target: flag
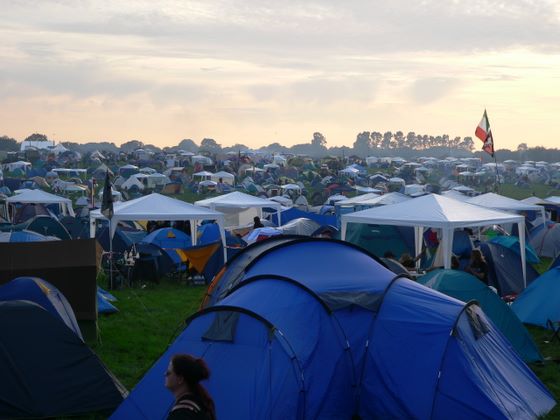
484	133
107	202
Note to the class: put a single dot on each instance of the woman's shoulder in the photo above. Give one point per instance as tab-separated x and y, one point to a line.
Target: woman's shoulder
187	408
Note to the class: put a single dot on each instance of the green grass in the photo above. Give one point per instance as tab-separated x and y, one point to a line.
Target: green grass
130	341
540	190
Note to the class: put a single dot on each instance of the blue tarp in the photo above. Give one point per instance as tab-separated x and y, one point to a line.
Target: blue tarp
294	213
275	345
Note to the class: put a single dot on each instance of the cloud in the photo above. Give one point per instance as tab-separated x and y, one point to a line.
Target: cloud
432	89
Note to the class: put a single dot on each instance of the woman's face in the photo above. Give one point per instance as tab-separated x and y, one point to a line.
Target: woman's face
172	381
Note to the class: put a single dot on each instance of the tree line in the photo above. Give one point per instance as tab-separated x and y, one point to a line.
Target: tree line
367	143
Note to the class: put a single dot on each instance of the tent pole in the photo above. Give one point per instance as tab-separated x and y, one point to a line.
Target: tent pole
110	256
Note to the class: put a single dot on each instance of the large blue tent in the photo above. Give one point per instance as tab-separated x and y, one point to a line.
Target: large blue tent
316	328
466	287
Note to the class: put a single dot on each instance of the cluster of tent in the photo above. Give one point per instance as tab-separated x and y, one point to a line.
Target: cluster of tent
46	368
296	327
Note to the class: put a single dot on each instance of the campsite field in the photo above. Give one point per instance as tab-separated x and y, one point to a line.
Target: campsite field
150	317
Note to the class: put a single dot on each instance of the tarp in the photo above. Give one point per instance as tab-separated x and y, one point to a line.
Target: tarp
466	287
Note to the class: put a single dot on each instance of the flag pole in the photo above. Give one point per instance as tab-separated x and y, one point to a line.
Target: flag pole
497	180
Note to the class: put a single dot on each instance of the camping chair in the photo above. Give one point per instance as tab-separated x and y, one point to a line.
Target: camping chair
197	257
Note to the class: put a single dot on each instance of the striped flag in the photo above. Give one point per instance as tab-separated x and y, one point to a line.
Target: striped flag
484	133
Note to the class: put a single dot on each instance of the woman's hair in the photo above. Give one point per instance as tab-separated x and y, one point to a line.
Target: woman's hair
194	370
477	255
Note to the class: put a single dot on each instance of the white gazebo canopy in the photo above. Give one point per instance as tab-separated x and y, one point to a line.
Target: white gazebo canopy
42	197
499	202
235	203
159	207
436	211
226	177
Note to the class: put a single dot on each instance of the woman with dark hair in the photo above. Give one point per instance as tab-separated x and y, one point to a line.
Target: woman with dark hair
182	378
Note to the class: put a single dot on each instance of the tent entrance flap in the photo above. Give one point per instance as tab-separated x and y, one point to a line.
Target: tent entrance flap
223	327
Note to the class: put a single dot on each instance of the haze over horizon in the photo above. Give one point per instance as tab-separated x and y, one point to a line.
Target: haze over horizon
257	73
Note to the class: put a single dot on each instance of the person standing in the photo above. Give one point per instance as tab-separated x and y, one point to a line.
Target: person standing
182	378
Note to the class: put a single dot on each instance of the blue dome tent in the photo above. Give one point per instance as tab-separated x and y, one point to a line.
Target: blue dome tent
512	242
169	239
466	287
504	269
42	293
47	370
24	236
540	302
410	351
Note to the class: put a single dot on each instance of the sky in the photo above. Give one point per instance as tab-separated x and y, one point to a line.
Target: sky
258	72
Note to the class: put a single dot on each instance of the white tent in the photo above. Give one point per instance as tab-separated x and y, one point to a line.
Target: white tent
42	197
203	175
499	202
456	195
357	199
226	177
240	208
436	211
383	200
159	207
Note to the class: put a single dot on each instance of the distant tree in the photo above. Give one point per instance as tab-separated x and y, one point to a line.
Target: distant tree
376	139
210	146
37	137
275	148
318	140
362	145
467	144
399	140
235	148
131	146
412	140
522	147
188	145
386	142
8	144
